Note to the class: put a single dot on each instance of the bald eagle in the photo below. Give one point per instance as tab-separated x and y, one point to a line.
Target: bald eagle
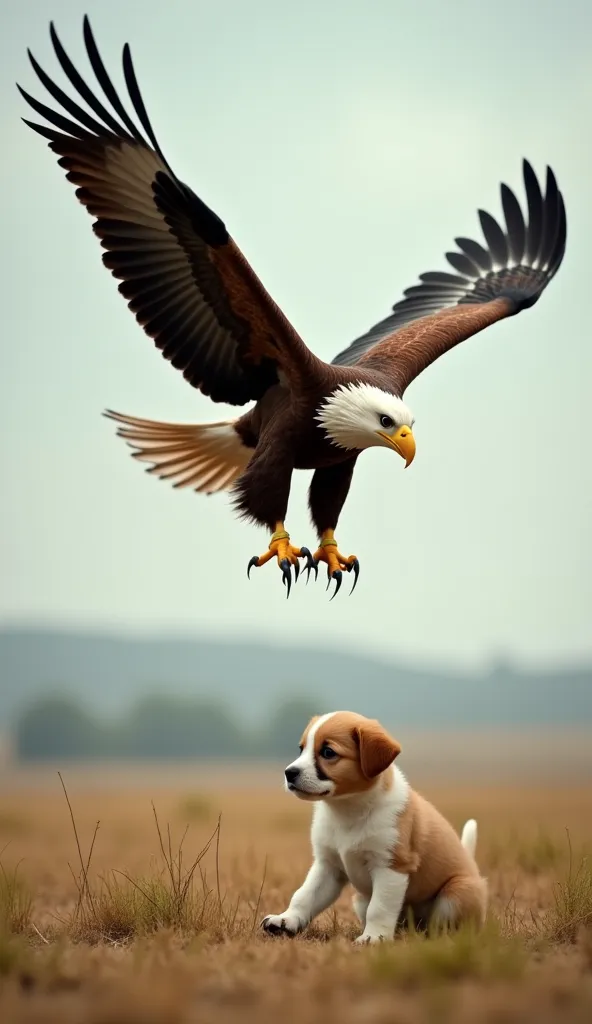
194	293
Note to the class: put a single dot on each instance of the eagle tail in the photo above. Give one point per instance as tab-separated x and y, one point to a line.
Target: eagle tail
207	457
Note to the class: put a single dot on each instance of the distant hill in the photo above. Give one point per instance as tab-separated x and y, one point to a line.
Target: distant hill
106	673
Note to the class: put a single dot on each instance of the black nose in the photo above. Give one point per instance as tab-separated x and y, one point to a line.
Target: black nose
292	774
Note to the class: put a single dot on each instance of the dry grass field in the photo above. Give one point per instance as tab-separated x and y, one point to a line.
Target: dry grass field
153	916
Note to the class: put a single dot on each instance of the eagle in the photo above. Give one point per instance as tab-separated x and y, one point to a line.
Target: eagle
193	292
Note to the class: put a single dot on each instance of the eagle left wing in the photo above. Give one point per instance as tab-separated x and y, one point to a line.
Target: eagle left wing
492	283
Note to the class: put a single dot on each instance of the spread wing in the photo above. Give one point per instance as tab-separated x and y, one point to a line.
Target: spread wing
183	276
506	276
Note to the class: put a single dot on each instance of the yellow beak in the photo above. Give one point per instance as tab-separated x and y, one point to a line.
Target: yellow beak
403	442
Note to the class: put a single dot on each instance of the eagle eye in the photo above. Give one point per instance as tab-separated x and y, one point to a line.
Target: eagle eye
387	422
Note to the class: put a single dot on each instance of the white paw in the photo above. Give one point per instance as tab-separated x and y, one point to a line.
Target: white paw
370	938
282	924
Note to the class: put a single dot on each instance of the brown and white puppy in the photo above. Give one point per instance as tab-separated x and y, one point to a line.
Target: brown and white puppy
371	829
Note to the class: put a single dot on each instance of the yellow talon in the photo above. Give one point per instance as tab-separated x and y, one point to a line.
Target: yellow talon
287	556
337	563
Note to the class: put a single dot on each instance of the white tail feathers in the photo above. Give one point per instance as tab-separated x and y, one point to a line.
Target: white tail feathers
469	837
207	457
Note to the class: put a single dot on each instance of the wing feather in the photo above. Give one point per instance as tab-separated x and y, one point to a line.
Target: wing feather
183	277
490	283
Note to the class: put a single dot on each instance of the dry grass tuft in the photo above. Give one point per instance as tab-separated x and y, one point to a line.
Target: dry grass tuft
15	920
571	913
419	960
119	906
15	902
176	897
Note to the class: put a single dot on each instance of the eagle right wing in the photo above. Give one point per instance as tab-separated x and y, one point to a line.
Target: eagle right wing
184	278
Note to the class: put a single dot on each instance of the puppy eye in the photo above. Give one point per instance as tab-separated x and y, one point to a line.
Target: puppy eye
301	748
327	752
387	422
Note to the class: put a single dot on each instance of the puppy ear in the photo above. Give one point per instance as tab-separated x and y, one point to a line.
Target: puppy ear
378	750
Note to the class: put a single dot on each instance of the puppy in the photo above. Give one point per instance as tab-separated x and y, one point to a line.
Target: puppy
371	829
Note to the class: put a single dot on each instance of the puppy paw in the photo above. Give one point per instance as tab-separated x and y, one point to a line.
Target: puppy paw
282	924
370	938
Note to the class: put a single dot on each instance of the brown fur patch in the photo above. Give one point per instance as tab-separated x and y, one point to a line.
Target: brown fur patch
431	853
378	750
364	749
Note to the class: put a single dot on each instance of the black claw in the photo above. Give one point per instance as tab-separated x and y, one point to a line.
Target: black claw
275	929
311	565
272	929
296	571
286	574
337	576
355	565
254	561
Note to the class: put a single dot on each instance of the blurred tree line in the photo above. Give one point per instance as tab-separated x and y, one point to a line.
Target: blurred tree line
157	727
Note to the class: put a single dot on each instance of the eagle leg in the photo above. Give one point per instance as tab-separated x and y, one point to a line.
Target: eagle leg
287	556
337	563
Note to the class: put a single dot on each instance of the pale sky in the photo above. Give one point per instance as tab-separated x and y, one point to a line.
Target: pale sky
345	146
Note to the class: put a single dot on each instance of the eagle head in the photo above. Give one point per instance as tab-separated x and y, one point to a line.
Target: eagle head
358	416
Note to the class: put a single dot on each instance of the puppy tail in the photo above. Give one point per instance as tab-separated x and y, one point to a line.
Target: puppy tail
469	837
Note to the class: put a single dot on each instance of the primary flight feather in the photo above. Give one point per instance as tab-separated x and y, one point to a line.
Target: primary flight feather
194	293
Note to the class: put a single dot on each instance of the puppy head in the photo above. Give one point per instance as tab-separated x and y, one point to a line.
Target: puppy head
341	754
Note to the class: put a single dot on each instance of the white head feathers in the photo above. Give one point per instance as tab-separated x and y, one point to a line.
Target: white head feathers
354	414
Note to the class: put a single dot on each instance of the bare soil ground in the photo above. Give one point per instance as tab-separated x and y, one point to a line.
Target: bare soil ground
135	930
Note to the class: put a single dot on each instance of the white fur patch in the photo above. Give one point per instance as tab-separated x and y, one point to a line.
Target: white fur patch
351	415
388	896
308	780
361	829
469	837
445	911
